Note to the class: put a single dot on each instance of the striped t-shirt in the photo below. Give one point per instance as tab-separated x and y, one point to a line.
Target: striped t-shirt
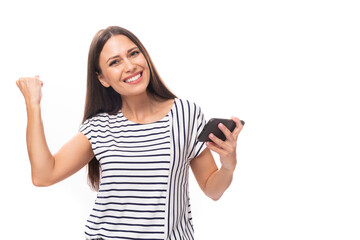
144	174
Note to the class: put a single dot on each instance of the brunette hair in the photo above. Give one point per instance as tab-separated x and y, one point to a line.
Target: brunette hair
100	99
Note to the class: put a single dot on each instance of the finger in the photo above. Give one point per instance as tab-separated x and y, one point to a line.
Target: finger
19	82
220	143
239	127
226	132
215	148
38	78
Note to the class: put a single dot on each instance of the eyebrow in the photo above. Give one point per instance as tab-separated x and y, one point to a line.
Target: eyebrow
116	56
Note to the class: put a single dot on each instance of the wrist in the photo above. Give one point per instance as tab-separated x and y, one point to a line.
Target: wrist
32	104
32	108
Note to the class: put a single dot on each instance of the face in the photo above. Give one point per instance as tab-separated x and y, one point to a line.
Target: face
123	67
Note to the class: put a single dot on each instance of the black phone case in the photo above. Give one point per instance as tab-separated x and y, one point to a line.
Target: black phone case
212	127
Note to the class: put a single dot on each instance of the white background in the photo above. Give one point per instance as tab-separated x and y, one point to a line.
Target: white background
290	69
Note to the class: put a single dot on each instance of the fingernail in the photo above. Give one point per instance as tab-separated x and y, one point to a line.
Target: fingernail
211	135
221	125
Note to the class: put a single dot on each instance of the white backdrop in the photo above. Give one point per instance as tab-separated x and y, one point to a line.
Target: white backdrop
290	69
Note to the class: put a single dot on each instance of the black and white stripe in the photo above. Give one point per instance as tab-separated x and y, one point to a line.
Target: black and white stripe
144	184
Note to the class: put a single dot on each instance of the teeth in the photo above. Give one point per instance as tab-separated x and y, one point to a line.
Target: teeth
133	78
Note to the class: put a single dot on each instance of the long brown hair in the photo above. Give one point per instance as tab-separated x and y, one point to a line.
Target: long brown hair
100	99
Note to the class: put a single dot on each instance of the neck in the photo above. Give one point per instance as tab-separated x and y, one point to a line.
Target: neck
138	107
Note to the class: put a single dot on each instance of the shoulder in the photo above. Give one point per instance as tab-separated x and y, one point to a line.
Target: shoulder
97	118
188	109
187	104
100	120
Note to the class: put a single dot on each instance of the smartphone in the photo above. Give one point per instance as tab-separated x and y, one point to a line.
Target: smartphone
212	127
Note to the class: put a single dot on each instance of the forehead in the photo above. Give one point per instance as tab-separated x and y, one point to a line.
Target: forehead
118	45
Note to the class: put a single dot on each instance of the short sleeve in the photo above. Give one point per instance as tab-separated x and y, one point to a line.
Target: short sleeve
196	147
86	129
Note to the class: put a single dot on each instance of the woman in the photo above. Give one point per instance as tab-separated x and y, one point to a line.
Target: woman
138	140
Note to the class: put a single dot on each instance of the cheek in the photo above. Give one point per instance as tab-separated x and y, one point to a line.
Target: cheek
144	65
113	74
147	68
141	61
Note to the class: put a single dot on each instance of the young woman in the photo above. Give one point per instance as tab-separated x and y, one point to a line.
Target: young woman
138	140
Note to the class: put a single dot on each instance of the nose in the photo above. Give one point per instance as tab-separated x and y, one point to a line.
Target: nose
129	66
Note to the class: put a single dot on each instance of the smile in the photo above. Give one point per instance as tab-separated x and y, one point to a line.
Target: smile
133	79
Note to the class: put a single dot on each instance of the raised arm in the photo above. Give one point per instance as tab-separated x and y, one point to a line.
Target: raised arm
46	168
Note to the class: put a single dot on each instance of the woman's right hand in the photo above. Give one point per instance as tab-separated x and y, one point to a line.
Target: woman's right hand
30	87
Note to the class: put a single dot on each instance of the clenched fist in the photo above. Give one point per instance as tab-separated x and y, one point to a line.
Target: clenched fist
30	87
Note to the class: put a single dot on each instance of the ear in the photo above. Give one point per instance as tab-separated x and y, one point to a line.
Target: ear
102	80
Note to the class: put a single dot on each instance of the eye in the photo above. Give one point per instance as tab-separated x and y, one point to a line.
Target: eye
134	53
113	62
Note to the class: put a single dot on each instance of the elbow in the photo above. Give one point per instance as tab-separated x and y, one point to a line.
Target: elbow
40	183
214	197
213	194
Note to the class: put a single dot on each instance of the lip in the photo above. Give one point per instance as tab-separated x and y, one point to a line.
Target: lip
133	75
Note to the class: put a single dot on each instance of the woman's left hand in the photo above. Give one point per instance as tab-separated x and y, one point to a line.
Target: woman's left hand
226	149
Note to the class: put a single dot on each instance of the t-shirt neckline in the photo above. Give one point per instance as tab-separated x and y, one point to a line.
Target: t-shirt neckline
157	121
